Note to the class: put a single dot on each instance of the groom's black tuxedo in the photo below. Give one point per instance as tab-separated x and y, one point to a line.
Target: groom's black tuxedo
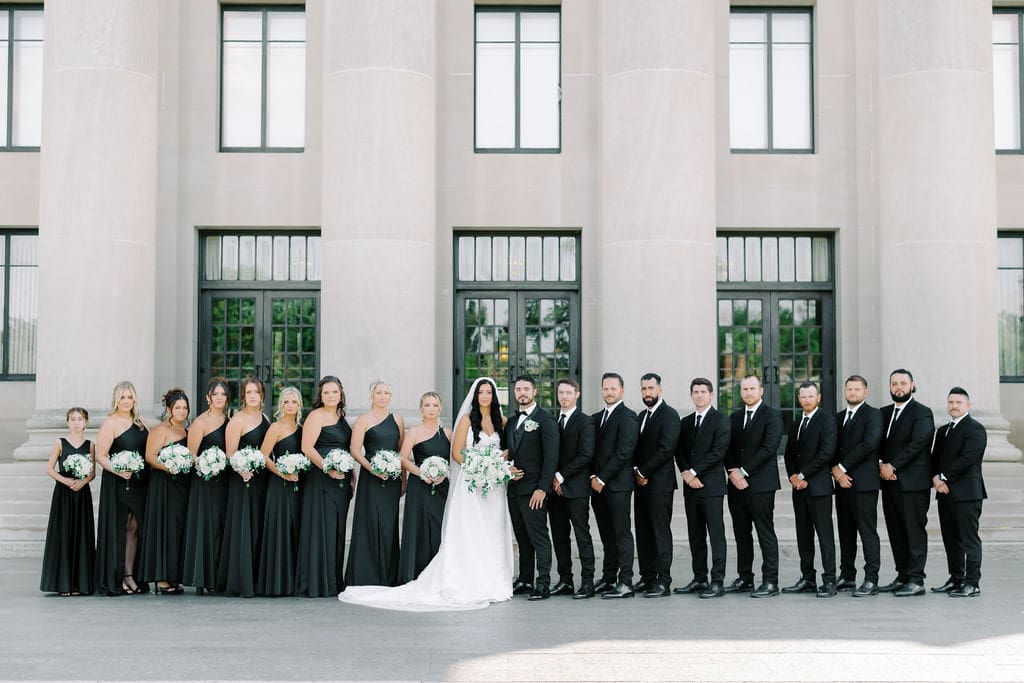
652	459
533	445
613	465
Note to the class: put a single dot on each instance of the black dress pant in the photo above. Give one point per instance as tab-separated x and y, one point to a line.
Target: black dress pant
915	514
653	521
814	517
857	514
611	510
755	510
531	530
959	523
896	527
575	512
704	520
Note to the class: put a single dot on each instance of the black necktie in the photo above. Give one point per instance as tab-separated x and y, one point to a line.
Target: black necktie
849	416
950	428
803	426
750	416
604	417
696	424
895	416
561	422
647	416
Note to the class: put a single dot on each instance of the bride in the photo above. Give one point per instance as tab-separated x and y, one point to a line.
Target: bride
473	566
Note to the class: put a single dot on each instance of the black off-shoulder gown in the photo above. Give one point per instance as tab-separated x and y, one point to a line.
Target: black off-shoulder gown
276	574
118	500
243	524
421	522
166	509
69	555
204	524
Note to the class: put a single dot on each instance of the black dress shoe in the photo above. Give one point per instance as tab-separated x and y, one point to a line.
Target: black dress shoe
846	585
563	588
522	588
658	590
950	585
909	590
642	585
865	589
896	584
801	586
739	586
583	593
766	590
540	593
714	590
694	586
604	586
967	590
621	590
828	589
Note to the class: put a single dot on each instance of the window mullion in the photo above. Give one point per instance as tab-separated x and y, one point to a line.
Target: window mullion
10	79
1020	82
263	83
769	82
7	305
517	86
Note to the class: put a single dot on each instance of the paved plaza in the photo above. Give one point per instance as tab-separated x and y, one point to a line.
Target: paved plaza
789	638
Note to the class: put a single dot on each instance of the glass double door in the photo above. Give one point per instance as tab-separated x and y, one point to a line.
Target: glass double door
784	337
503	334
273	334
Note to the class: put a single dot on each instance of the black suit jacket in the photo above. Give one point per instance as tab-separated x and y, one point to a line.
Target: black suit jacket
614	446
957	456
811	454
655	447
535	452
704	451
857	446
908	445
576	454
755	448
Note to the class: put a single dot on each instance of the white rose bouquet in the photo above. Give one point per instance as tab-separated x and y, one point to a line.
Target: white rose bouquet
127	461
386	463
176	458
432	470
79	465
484	469
247	459
340	461
211	462
293	463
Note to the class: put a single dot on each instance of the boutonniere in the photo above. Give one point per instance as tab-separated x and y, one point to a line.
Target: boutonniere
530	425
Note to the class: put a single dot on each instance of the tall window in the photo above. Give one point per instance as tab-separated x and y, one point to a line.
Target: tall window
1006	69
19	293
770	81
263	80
1010	258
21	76
518	80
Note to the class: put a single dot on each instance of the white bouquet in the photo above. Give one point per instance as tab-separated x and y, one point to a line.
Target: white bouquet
176	458
247	459
211	462
79	465
484	469
432	469
339	460
292	463
387	463
127	461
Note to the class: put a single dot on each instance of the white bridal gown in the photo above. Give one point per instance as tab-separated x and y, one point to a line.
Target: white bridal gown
473	566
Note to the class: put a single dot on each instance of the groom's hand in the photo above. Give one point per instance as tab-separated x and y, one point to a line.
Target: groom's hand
517	473
537	500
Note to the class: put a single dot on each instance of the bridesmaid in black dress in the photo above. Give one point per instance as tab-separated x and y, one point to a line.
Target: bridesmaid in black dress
424	501
163	554
243	522
325	496
122	497
69	556
373	558
207	500
276	575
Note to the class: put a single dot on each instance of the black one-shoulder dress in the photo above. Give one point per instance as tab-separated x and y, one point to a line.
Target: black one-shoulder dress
243	524
69	555
166	508
424	509
276	575
204	523
118	500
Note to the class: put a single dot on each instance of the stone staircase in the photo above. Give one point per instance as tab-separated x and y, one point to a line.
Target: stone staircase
25	492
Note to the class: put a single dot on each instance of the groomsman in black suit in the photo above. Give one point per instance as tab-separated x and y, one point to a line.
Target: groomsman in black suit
809	451
700	456
855	471
752	463
532	438
960	490
906	482
612	485
571	503
656	485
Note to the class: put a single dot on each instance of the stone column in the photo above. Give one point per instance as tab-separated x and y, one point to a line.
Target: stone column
658	193
379	178
97	210
937	198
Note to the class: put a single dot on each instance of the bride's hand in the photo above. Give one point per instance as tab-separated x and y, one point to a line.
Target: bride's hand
517	473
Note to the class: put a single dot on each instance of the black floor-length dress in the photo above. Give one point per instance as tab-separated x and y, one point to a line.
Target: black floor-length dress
424	508
243	524
166	509
276	575
69	555
118	500
204	522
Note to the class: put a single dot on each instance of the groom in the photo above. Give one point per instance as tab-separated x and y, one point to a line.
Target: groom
532	438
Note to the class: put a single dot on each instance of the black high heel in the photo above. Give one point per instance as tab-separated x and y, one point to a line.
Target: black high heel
128	590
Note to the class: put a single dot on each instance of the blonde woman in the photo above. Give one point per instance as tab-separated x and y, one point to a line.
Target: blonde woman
276	575
122	496
373	557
